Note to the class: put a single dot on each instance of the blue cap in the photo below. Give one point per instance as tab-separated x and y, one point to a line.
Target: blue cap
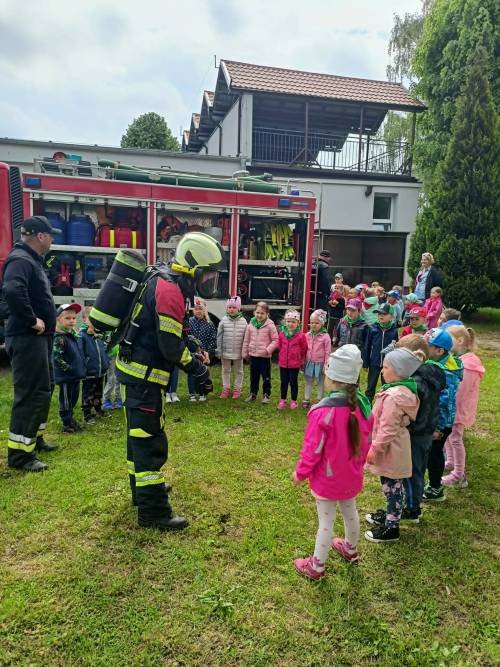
451	323
440	338
395	294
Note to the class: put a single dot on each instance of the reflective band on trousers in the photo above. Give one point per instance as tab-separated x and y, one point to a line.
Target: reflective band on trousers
139	433
131	467
148	477
141	371
104	317
169	325
16	441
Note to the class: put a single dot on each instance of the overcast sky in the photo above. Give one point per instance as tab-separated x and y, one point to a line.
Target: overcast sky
80	70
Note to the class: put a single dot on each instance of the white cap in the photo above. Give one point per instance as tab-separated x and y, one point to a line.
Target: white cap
344	365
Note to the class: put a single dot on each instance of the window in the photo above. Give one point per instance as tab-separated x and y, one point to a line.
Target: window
382	207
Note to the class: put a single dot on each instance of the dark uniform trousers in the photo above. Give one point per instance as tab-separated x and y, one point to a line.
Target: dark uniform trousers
147	449
33	379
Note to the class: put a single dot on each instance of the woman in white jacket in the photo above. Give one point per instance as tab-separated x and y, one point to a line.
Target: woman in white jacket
230	335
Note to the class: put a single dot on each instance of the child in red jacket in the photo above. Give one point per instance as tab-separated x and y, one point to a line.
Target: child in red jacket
293	349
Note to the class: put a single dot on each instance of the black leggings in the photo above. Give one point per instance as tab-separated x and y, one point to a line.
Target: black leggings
435	463
289	376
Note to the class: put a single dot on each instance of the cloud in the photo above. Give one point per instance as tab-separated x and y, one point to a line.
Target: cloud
81	71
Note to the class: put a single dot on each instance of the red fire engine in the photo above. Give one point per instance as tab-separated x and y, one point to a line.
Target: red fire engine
266	228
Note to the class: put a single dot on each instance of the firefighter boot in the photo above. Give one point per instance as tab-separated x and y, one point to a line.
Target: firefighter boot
42	446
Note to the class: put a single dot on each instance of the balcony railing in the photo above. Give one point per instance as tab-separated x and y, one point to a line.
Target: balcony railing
328	151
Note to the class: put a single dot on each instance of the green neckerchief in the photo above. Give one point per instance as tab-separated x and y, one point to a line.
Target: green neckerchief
315	333
386	325
422	327
288	334
363	401
62	329
409	383
256	323
235	317
431	361
347	319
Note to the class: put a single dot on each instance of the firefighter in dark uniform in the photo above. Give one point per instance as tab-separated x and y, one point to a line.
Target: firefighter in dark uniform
29	335
154	343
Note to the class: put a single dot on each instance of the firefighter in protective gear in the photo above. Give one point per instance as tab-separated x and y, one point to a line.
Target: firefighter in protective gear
154	343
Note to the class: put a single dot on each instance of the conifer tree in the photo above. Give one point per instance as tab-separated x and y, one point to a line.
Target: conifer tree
462	217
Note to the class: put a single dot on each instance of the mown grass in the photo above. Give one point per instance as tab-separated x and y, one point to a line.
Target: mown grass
81	585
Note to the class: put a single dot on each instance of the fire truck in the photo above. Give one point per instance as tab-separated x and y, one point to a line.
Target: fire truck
265	228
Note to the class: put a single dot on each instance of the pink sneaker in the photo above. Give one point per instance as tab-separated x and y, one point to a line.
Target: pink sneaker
282	404
304	566
340	545
225	393
236	393
455	480
293	405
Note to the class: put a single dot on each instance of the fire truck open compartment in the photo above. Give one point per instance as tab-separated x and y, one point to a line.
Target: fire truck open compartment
271	260
266	229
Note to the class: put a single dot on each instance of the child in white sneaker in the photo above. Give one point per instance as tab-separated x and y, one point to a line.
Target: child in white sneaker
230	335
332	459
467	400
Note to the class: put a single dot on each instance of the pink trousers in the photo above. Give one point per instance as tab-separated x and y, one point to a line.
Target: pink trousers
455	450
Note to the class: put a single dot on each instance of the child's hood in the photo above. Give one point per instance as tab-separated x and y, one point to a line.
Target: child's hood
472	362
452	364
370	301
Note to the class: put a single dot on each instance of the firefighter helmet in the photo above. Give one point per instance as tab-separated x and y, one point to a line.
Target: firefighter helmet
197	251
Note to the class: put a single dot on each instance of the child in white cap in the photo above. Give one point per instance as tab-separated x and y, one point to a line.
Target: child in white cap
319	347
332	459
389	456
230	335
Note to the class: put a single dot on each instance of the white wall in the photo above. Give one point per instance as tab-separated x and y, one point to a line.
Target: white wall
246	125
230	132
343	205
212	144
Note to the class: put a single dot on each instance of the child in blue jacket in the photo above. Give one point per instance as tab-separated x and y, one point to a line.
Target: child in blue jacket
96	363
69	364
440	344
378	336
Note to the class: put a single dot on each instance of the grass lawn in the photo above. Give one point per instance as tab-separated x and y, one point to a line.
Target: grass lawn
81	585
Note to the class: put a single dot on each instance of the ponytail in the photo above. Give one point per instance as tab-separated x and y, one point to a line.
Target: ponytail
353	426
472	338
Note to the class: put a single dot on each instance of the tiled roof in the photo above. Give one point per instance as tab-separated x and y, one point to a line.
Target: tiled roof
245	76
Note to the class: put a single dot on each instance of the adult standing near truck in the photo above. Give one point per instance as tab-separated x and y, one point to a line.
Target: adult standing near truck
29	335
323	280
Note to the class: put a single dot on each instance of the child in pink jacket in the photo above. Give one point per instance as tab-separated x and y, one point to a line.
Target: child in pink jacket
332	459
389	456
467	400
434	307
261	339
293	349
319	347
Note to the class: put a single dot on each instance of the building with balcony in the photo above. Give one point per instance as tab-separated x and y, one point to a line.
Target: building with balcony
322	133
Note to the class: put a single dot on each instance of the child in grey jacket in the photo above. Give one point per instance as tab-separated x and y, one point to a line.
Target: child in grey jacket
230	335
